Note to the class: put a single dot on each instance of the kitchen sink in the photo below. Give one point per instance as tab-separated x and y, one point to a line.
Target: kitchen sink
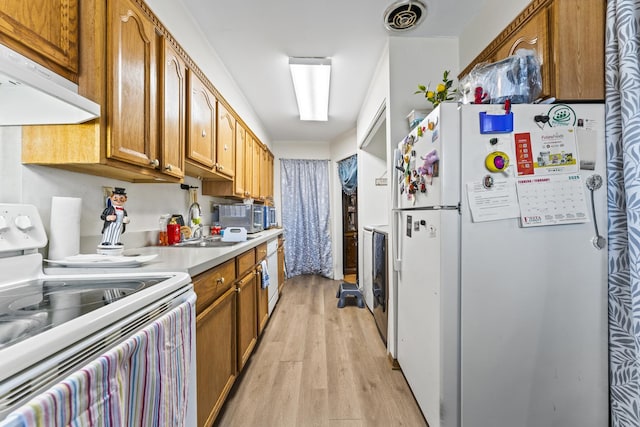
206	242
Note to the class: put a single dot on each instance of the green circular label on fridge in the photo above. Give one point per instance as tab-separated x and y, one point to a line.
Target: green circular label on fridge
561	115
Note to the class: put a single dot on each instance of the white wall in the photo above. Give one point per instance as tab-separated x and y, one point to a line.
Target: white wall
36	185
408	63
376	96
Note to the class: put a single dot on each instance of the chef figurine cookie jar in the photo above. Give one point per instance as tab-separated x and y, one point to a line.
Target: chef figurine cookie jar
115	219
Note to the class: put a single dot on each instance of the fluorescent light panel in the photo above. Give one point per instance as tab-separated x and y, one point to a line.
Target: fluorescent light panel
311	78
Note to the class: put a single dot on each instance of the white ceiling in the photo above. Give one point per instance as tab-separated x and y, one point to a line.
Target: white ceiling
254	39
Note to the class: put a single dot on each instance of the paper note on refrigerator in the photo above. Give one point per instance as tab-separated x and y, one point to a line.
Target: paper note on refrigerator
552	200
495	202
548	152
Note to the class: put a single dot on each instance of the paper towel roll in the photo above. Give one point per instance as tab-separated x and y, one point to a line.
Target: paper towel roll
64	233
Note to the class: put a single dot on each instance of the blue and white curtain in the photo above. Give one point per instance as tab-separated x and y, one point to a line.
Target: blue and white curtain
622	73
305	217
348	172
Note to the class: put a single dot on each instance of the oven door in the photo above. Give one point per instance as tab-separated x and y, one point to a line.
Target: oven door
75	376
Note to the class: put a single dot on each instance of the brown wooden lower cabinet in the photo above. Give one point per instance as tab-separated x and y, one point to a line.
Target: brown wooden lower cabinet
247	323
215	355
230	315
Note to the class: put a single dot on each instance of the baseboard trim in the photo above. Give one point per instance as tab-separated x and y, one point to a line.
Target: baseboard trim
393	362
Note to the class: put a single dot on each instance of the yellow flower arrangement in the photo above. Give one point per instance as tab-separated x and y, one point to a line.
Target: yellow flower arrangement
441	93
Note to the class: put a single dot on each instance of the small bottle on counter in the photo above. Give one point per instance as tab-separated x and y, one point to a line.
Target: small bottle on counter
162	230
173	232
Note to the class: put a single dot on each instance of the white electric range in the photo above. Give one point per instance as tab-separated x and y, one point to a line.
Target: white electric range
53	325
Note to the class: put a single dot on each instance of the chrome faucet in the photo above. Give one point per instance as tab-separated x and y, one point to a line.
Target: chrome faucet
194	220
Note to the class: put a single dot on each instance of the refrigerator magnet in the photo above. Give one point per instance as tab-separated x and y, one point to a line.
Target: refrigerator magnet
498	161
487	181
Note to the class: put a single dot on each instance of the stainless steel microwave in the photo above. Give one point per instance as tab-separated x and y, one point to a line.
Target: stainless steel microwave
240	215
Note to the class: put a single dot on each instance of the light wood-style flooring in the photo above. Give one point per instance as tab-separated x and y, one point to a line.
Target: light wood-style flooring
317	365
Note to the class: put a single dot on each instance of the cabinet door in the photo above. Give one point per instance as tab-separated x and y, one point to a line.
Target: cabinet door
174	87
201	123
247	317
263	174
255	169
215	355
248	166
270	176
225	143
211	284
578	49
45	31
241	147
132	86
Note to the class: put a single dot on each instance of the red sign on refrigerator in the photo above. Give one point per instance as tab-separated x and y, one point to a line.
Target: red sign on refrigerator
524	155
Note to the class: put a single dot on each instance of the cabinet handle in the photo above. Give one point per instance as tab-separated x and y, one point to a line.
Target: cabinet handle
220	281
168	168
238	290
204	133
220	167
155	163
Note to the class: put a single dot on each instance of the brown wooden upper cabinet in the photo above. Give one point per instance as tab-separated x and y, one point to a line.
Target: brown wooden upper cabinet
239	185
568	36
133	140
256	170
132	88
201	126
174	105
225	143
44	31
161	118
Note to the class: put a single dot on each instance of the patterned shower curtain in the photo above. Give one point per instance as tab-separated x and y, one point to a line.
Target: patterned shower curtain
622	74
305	217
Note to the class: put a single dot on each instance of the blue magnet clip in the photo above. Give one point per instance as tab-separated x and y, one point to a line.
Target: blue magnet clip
496	123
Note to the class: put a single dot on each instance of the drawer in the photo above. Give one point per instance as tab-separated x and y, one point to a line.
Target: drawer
213	283
246	261
261	251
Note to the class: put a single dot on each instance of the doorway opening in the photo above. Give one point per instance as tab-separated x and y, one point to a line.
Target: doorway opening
350	237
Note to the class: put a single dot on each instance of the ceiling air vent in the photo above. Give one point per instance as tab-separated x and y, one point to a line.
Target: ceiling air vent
404	15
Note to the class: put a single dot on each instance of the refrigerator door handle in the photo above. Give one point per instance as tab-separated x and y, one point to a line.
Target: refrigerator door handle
397	247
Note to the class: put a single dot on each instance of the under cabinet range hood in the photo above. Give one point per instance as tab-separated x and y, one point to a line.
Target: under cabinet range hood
31	94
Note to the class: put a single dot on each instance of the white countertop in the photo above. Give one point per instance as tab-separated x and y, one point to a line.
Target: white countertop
193	260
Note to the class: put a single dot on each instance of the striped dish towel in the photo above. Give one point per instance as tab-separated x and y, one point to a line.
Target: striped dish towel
141	382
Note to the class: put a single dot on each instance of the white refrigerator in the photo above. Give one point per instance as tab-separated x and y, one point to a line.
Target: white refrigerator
501	290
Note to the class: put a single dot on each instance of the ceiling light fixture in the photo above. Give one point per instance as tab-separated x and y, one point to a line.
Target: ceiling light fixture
311	78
